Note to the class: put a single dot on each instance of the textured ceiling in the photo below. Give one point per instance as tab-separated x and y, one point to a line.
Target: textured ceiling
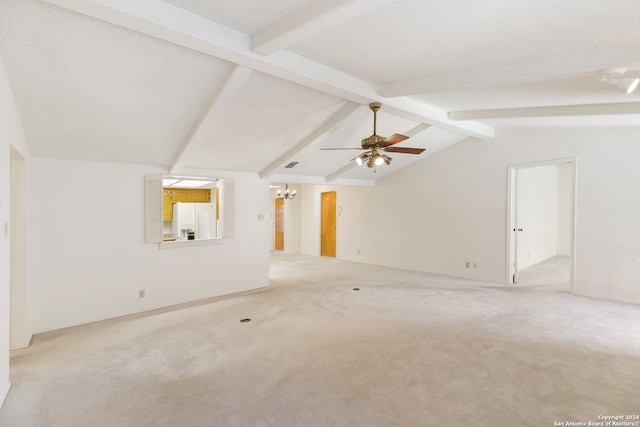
409	39
87	89
256	84
245	16
253	134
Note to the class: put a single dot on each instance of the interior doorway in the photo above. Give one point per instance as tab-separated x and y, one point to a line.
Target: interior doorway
328	224
541	223
284	216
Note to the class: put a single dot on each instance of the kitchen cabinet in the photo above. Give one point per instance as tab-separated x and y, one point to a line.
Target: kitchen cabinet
167	205
201	195
190	195
175	195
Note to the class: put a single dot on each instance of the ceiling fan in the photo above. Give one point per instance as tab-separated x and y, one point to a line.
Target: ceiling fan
376	143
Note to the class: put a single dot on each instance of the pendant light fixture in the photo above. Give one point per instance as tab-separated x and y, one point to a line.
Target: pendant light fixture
287	195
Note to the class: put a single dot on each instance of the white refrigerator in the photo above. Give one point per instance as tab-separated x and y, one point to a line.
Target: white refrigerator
199	217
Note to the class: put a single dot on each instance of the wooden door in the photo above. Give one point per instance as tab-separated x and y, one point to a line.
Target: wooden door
328	237
279	246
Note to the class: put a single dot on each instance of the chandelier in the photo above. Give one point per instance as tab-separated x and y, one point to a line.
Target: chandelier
287	194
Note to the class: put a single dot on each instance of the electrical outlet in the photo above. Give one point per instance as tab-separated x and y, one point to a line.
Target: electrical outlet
141	293
358	251
475	265
466	264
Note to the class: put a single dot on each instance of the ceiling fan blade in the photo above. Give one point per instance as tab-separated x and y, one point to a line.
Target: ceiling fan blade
344	148
393	139
406	150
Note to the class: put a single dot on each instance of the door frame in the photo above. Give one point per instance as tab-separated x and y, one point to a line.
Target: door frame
512	213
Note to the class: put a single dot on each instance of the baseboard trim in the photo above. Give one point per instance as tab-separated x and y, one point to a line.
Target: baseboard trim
22	345
587	295
4	392
151	309
540	262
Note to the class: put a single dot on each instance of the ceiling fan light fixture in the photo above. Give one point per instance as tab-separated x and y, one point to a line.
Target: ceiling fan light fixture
360	160
371	162
615	77
375	144
626	85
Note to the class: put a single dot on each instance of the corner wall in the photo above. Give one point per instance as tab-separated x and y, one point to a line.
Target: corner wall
451	207
88	258
19	324
7	106
11	135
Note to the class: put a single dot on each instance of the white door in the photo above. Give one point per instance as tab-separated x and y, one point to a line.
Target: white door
541	215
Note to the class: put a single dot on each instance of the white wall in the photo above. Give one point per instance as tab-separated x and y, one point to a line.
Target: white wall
292	222
310	219
351	234
418	222
564	209
20	330
451	207
6	106
88	259
11	135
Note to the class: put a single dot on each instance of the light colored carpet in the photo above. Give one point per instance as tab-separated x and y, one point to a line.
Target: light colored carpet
407	349
554	272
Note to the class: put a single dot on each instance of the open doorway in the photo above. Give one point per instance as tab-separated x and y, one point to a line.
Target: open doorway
285	219
541	223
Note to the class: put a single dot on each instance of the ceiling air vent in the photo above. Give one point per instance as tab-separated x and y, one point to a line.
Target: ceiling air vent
290	165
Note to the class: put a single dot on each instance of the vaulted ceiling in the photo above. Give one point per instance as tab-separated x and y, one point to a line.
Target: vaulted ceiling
253	85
